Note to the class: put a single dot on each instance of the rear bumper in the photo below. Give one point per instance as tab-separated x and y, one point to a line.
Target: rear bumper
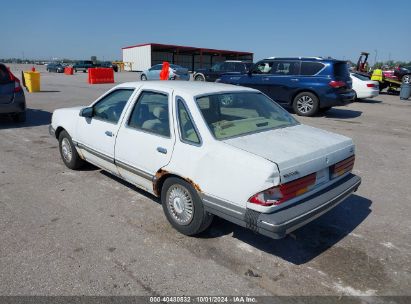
278	224
337	99
18	105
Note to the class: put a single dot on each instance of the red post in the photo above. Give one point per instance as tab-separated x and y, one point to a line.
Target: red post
165	71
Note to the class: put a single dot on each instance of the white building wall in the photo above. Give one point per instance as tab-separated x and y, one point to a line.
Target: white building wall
139	56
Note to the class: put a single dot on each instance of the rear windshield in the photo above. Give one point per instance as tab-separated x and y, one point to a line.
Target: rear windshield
235	114
4	74
341	69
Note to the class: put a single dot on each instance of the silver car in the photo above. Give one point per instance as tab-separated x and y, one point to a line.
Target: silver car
176	73
12	100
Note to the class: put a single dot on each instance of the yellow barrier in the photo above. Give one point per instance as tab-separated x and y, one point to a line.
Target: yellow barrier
32	81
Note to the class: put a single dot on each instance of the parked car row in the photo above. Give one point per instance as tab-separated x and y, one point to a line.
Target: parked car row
307	85
80	66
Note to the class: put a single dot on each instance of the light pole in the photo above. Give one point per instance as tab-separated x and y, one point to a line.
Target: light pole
375	58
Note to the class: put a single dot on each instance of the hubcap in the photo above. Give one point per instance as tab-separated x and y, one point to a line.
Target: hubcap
66	150
305	104
199	78
180	204
406	79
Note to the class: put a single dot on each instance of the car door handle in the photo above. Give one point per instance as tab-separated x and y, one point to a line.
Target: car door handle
109	133
294	79
266	78
162	150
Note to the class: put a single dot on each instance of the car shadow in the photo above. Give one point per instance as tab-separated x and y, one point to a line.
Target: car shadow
299	247
34	118
341	113
307	242
131	186
369	101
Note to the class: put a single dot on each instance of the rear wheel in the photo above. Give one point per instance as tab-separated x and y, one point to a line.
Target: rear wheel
306	104
68	152
406	78
183	207
199	78
143	77
20	117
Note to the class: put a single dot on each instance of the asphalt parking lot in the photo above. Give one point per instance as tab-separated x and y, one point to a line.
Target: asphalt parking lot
66	232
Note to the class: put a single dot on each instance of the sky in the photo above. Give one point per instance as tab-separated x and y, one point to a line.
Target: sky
75	29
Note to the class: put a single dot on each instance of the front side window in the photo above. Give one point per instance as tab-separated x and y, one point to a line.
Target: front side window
150	114
4	74
240	113
187	131
263	67
110	107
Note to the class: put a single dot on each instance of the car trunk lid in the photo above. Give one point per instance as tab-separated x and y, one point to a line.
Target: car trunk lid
298	151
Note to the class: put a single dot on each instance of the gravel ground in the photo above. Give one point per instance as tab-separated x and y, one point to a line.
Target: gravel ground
86	232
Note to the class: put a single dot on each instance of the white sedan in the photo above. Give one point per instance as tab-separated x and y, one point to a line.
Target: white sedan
211	149
363	86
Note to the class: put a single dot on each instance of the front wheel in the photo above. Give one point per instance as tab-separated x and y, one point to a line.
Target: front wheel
68	152
199	78
143	77
306	104
183	207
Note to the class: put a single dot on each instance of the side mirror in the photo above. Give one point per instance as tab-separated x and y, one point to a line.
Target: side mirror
86	112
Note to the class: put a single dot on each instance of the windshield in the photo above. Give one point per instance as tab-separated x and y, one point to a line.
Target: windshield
235	114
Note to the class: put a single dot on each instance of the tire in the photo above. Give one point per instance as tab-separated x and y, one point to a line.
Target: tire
75	71
20	117
85	71
183	207
68	152
143	77
306	104
406	78
199	78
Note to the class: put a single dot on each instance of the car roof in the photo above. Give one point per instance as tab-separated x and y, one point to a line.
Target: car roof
189	87
305	58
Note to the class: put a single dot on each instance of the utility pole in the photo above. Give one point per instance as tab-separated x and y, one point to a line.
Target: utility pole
375	58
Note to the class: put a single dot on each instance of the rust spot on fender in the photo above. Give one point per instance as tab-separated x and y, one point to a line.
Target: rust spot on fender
195	186
160	174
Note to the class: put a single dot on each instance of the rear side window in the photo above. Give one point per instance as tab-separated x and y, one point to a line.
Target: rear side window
151	114
341	69
310	68
4	74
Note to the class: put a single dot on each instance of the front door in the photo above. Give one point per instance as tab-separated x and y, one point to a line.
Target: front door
146	139
96	135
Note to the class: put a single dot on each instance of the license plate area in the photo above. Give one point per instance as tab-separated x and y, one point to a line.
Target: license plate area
323	176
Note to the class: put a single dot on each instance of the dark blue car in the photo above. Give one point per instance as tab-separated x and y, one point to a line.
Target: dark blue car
308	85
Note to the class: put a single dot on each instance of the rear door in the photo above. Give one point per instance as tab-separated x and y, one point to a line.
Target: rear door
283	80
154	72
146	137
6	86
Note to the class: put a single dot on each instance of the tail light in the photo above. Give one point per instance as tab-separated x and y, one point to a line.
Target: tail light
370	85
342	167
337	84
279	194
17	86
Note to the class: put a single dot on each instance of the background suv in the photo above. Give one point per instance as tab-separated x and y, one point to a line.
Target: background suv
229	66
12	100
83	65
308	85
